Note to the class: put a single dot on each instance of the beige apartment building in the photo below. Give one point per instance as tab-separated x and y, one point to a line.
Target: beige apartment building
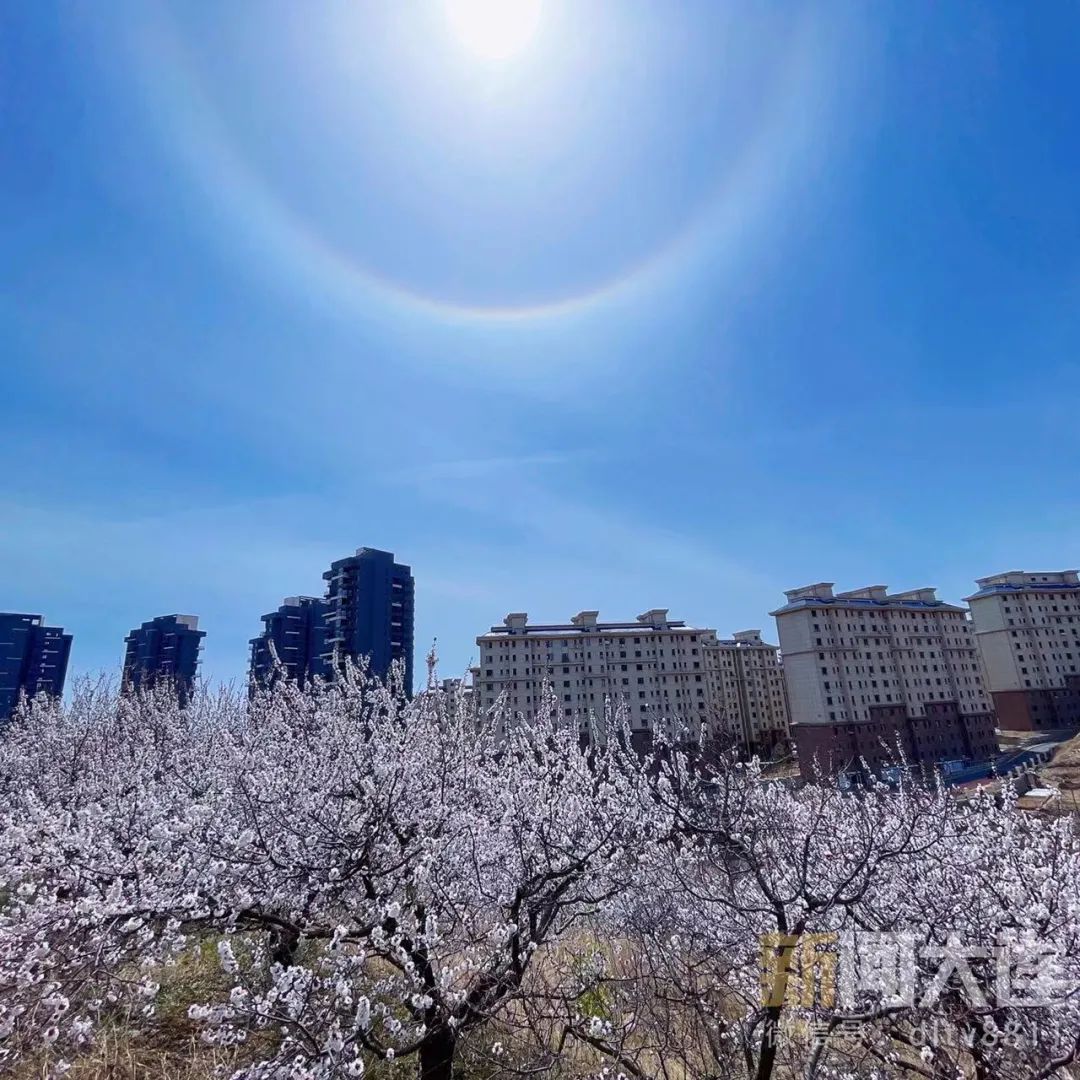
869	667
746	686
654	665
1027	625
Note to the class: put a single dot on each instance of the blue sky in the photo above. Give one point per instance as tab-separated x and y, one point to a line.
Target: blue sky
680	306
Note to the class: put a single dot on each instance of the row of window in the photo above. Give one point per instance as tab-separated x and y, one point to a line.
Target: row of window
567	643
579	656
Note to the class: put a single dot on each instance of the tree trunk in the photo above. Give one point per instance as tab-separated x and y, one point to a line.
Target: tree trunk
767	1052
437	1055
284	941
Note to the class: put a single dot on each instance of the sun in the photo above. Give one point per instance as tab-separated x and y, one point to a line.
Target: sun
493	29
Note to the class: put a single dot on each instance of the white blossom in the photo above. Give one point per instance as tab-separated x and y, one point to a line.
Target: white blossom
380	878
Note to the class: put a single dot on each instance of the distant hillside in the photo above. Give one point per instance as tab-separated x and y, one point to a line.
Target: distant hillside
1064	769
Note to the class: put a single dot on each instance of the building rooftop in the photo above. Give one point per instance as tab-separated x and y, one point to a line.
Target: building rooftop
158	623
869	598
586	622
745	639
370	553
1014	581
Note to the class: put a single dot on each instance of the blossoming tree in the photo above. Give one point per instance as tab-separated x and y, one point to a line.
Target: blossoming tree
401	882
379	874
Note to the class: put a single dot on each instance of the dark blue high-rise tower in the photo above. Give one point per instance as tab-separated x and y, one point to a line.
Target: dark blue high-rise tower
33	659
370	600
293	643
165	649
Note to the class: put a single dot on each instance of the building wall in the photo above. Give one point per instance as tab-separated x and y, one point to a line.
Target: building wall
370	600
33	659
654	667
746	688
866	663
292	644
164	649
943	734
1027	626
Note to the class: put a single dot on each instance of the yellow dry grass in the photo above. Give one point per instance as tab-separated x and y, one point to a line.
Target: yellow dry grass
1063	771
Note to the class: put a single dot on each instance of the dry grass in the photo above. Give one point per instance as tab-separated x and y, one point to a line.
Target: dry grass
125	1054
166	1045
1063	771
667	1038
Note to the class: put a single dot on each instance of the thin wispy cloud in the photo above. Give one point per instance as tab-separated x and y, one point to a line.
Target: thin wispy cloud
704	304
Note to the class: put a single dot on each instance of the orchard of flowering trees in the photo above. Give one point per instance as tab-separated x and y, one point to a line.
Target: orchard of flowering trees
405	888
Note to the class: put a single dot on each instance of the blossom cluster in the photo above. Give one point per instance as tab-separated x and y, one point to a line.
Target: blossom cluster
384	880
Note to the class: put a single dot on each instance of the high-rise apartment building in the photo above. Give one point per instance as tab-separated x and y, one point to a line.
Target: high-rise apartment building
293	643
746	687
1027	626
164	650
33	659
654	665
869	667
370	601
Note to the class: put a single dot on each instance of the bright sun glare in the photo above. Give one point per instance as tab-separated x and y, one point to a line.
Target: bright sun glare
493	29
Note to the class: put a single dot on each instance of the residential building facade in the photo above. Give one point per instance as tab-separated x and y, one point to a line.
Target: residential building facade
746	687
457	689
33	659
453	694
292	645
653	666
164	650
869	667
370	610
1027	625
